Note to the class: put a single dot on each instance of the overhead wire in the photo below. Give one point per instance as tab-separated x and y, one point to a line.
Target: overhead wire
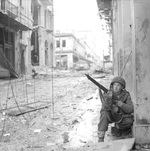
16	100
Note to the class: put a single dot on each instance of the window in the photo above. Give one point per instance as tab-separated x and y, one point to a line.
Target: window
21	3
64	43
45	19
9	37
21	34
57	43
3	4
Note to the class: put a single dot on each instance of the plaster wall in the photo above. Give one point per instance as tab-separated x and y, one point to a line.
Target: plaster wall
43	37
70	60
24	12
26	41
80	48
46	53
126	52
122	33
142	48
131	32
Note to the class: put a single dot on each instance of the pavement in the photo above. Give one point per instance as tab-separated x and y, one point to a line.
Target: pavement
83	136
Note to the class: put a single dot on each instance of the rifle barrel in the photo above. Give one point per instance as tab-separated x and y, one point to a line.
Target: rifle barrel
96	83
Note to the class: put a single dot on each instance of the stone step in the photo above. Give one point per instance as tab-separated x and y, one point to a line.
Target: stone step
117	145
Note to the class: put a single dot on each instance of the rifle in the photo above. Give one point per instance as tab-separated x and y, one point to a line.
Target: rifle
99	85
114	117
96	83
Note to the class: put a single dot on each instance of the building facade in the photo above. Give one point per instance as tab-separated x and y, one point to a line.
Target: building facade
20	19
70	52
15	24
42	38
131	58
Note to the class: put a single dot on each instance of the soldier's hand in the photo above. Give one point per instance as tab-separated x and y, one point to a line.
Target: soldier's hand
119	103
108	99
115	101
115	108
109	94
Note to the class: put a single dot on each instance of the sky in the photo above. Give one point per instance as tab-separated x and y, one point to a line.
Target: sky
81	16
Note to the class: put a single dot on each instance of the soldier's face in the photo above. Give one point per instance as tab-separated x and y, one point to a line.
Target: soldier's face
117	87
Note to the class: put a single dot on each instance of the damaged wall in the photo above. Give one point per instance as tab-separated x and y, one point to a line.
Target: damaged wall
131	38
45	47
122	47
142	48
23	52
44	25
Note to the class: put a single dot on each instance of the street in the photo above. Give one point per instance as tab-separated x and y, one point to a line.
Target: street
56	110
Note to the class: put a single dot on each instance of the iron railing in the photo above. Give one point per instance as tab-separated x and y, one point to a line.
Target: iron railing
7	6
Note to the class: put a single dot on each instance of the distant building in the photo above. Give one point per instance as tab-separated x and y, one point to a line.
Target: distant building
71	52
42	34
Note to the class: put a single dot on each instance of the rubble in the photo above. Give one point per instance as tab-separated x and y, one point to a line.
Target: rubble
68	123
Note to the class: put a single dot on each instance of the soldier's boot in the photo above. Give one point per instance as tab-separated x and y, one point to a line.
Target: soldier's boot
101	135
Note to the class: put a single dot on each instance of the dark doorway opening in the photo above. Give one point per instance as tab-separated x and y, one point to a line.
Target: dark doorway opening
35	49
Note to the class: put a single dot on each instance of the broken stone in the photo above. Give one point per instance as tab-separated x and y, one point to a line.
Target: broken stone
89	98
82	141
146	146
3	119
55	118
65	137
90	110
50	144
8	134
4	113
137	146
75	121
37	130
78	96
29	84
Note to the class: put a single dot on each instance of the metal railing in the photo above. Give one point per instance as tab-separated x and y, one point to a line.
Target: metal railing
7	6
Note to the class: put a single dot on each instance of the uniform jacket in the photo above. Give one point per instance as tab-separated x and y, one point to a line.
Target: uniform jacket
124	97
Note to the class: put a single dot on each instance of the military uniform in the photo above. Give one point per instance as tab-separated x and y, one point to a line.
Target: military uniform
118	109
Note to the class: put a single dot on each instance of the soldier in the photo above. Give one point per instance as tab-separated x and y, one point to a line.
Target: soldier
117	108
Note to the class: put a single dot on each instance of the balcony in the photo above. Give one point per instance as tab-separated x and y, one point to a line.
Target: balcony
15	17
9	8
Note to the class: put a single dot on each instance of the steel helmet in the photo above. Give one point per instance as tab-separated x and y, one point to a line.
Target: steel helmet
119	80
